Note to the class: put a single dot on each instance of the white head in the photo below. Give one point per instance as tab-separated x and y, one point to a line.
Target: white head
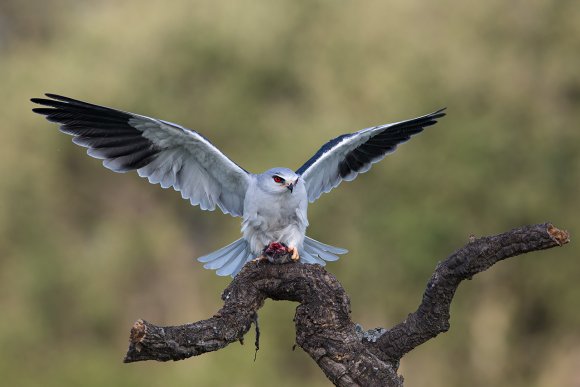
278	180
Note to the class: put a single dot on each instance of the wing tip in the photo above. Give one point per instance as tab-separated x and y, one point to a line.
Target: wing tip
41	111
40	101
51	96
439	113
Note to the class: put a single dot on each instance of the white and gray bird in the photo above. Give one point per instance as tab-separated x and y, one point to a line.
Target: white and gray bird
273	205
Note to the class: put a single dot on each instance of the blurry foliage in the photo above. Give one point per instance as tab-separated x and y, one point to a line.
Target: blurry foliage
84	251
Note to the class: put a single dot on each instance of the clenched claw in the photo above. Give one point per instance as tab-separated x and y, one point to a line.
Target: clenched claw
294	251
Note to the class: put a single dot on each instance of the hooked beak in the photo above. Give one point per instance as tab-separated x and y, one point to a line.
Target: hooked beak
292	185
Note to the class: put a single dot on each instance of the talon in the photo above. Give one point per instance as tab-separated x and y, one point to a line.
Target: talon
294	251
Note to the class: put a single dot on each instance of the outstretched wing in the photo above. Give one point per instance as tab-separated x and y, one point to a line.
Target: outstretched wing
164	153
344	157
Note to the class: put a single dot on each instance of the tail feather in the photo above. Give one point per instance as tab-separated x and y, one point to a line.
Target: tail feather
307	256
228	260
320	252
225	259
249	257
234	265
219	253
323	246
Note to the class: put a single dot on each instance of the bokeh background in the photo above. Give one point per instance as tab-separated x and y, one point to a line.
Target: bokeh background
84	252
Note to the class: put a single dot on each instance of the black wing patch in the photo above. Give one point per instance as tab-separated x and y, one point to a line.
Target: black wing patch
349	155
385	142
106	132
376	146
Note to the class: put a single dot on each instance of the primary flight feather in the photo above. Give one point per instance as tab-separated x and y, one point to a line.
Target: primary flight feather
273	205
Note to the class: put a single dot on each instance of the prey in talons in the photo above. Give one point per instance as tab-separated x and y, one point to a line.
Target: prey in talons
278	253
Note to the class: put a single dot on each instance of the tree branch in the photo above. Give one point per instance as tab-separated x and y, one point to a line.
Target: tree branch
432	316
347	355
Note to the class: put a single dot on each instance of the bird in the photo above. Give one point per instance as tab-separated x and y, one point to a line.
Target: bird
273	205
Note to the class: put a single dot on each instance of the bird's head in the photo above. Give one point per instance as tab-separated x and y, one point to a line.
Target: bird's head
278	180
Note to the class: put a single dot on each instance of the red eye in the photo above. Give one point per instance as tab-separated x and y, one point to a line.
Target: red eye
278	179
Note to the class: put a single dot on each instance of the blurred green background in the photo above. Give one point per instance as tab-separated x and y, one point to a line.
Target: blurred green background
84	252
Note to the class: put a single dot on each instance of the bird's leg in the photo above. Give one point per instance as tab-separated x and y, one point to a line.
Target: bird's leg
294	251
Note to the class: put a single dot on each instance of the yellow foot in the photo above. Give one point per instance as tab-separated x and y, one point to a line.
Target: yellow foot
295	256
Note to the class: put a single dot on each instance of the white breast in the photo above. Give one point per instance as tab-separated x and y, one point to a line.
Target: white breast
271	218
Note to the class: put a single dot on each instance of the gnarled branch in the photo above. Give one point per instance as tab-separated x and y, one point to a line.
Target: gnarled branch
347	355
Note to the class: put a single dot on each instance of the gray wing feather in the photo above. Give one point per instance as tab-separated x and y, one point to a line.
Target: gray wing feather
165	153
346	156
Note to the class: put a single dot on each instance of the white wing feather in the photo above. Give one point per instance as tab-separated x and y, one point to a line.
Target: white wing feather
164	153
193	166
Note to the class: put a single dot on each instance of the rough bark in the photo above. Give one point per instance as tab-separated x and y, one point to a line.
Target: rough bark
346	354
